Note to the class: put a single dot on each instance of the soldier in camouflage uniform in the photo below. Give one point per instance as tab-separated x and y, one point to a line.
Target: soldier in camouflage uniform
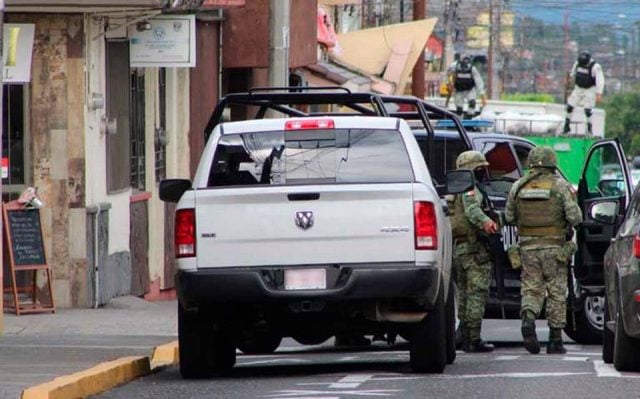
542	205
471	261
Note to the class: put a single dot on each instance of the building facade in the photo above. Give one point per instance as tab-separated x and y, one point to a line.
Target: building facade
95	134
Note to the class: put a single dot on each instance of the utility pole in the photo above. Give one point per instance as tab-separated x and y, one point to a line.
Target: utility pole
493	90
417	80
279	43
490	53
565	56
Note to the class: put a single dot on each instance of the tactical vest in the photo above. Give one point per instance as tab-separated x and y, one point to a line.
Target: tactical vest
461	228
584	78
539	208
464	77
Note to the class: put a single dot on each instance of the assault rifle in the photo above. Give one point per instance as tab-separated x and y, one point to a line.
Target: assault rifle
494	244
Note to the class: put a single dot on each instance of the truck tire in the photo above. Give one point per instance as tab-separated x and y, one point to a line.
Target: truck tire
607	338
589	320
428	352
311	339
626	350
260	343
204	349
450	319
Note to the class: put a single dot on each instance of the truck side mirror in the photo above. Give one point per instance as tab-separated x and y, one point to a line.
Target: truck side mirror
172	189
459	181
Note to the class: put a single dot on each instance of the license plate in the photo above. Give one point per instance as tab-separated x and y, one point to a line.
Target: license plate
305	279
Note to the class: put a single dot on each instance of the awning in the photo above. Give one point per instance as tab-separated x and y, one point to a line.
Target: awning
392	49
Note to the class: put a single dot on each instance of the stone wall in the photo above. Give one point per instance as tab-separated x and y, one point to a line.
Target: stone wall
56	131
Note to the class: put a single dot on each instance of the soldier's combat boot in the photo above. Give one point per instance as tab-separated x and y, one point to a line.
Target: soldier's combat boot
529	336
479	346
475	343
554	345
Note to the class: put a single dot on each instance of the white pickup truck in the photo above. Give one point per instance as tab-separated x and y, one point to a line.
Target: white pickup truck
308	228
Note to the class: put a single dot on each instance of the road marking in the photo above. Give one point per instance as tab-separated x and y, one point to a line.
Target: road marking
351	381
605	370
268	361
508	375
298	394
507	357
576	359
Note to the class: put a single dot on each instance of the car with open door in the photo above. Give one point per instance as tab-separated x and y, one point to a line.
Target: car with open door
603	199
621	333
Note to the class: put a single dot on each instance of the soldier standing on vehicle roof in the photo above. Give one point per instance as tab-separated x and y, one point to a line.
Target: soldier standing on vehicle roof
589	85
467	85
471	261
542	205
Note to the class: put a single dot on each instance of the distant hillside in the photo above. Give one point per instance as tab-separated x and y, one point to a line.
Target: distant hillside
624	12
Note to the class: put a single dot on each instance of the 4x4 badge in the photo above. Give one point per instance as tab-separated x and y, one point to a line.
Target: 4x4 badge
304	219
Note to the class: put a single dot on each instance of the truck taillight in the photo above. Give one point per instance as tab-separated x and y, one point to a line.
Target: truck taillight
636	245
185	233
309	124
425	225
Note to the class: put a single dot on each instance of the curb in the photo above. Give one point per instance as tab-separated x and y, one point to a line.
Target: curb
104	376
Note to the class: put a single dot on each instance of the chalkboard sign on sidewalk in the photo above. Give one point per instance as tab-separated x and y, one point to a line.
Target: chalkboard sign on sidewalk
26	250
26	237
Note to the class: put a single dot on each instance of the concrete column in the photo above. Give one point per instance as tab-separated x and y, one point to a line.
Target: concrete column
279	43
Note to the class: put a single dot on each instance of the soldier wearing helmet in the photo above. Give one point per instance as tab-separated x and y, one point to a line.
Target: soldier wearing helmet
543	207
471	261
589	86
467	85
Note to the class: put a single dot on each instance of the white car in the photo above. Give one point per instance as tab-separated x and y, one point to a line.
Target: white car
309	228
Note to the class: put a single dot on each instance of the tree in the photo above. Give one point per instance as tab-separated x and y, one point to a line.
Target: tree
623	119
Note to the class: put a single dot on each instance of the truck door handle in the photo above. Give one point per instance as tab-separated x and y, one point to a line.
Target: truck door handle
303	197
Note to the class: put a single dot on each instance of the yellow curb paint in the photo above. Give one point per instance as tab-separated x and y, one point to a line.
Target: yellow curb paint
164	355
97	379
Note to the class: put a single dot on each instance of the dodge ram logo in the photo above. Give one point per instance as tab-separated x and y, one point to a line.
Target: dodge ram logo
304	219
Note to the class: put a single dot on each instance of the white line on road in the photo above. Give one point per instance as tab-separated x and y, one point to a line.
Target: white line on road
351	381
605	370
298	394
268	361
576	359
507	357
509	375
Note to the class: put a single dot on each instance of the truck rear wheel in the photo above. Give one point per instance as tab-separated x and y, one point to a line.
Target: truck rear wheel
204	348
428	352
260	343
450	319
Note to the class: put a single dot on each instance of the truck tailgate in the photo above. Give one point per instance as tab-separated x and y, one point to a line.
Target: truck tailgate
305	225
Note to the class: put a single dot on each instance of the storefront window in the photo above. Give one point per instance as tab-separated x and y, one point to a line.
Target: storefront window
13	138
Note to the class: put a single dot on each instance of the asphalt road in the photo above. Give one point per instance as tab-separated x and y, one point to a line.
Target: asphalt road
382	371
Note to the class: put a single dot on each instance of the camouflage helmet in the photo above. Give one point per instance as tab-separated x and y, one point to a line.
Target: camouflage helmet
542	157
471	160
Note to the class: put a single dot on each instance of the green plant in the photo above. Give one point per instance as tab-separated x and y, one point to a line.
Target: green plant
530	97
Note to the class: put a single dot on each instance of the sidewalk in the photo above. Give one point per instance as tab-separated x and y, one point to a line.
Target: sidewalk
37	348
